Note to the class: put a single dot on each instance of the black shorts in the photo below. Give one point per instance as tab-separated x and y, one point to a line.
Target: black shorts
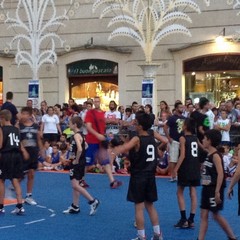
188	183
208	199
11	165
142	189
32	162
77	171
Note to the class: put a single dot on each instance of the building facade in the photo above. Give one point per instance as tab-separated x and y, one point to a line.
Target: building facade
188	66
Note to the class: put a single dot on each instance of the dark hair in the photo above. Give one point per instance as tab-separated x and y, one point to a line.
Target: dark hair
115	105
57	105
75	107
128	110
144	120
77	120
189	123
9	95
214	136
29	110
6	115
149	106
177	104
202	102
133	103
63	146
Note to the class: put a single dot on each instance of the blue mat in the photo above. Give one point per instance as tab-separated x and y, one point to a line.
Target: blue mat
115	216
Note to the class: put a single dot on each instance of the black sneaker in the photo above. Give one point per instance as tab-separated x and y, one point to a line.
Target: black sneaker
94	206
182	223
72	210
190	224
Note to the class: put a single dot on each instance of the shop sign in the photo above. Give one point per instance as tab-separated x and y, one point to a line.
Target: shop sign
92	67
223	62
33	92
147	92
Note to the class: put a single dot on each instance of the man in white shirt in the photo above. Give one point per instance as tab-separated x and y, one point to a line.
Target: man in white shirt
112	118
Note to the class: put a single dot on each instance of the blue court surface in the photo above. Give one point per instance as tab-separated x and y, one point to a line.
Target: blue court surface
114	218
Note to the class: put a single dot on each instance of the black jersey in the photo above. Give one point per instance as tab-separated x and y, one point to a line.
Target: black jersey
73	149
190	167
209	172
28	135
11	139
144	161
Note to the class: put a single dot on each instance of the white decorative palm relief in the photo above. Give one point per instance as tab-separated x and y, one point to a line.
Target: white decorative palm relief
36	42
147	22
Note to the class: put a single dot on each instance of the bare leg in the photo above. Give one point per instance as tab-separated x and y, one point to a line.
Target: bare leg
18	190
30	180
77	190
224	224
139	215
180	197
108	170
193	196
2	191
153	215
203	224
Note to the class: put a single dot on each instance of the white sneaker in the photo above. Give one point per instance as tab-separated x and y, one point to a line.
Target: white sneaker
30	201
72	210
18	211
94	206
47	168
2	210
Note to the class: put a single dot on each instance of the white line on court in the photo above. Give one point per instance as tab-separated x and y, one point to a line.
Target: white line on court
10	226
40	220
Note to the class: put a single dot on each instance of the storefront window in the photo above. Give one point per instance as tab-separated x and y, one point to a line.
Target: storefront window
215	86
216	77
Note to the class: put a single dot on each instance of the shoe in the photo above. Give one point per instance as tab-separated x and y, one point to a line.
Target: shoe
18	211
157	236
29	200
2	210
139	238
72	210
47	168
135	224
59	168
172	180
83	183
115	184
94	206
182	223
190	224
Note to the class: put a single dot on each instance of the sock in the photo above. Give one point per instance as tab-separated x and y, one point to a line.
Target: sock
19	205
156	229
191	218
141	233
29	194
74	206
90	202
183	214
1	206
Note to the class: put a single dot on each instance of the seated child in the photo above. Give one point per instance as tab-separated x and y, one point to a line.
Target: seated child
65	156
162	167
45	154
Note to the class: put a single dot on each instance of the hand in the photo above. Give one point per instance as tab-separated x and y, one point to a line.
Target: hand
217	198
174	173
230	193
101	137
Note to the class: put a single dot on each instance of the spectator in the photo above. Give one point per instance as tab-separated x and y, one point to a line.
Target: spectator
11	107
43	107
112	118
50	126
164	108
223	124
173	131
148	110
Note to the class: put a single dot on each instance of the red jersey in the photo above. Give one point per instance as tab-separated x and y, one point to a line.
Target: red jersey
94	116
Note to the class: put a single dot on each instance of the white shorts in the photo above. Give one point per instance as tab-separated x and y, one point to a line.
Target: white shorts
174	151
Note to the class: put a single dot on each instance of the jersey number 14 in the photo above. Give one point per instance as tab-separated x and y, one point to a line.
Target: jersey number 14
14	140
